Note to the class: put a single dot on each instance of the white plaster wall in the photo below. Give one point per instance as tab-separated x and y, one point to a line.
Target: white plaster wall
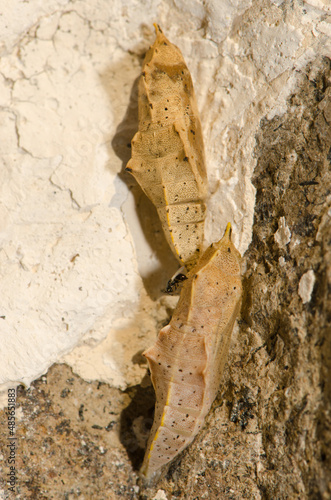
80	270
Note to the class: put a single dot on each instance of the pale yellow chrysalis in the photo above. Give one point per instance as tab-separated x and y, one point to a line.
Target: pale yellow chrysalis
167	151
188	357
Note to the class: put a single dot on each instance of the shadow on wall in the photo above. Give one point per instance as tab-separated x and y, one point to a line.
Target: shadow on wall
156	279
137	418
136	421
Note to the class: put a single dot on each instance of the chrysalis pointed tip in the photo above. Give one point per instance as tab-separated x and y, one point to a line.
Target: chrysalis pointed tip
150	353
157	29
149	475
228	231
147	480
128	167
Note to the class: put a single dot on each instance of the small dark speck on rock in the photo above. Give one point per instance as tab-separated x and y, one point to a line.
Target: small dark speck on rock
65	393
110	426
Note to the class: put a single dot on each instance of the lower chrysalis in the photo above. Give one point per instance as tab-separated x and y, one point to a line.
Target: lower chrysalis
188	358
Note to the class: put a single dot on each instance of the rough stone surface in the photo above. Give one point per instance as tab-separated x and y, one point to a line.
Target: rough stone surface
269	431
69	436
268	435
83	258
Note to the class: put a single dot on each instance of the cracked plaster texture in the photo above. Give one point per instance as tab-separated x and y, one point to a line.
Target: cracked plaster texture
73	254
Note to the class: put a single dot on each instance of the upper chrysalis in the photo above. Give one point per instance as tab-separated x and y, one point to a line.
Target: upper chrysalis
167	151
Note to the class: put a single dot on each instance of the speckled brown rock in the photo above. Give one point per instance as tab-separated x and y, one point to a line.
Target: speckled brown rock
69	440
268	434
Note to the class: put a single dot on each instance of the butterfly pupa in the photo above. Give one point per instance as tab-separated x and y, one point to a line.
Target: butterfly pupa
188	358
168	158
